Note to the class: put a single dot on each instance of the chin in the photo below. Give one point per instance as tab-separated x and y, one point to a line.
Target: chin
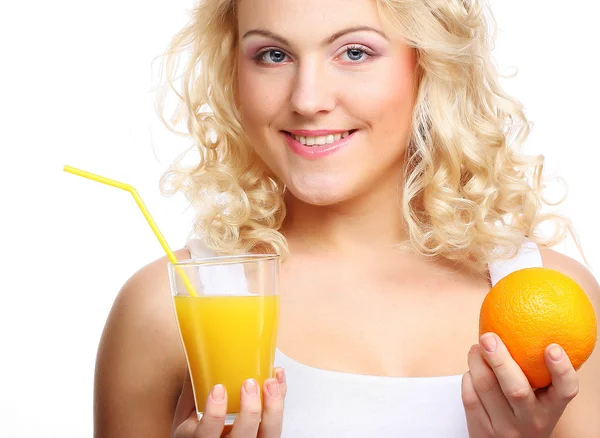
318	199
320	193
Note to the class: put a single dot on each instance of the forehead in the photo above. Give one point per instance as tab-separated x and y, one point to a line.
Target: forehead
306	18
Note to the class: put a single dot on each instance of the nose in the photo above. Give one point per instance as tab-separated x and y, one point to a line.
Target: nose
313	91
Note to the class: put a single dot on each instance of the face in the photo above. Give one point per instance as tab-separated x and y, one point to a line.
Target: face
325	95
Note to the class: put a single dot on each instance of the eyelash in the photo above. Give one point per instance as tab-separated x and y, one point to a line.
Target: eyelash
365	50
370	54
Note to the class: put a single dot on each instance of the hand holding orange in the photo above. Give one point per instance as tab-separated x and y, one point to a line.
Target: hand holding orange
534	307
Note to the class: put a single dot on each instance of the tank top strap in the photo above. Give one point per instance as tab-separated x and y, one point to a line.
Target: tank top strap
222	279
197	248
528	256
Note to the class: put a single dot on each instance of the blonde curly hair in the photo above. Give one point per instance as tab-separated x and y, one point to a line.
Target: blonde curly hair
469	193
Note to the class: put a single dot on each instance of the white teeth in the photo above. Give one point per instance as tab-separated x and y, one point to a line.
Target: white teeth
322	139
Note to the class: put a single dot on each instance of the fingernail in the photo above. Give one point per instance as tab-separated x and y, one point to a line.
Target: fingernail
280	376
251	387
218	393
474	349
489	342
273	388
555	353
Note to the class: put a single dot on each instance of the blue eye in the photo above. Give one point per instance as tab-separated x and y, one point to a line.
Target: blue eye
355	54
272	56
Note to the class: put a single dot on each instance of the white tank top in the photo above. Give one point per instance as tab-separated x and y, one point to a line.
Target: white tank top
322	403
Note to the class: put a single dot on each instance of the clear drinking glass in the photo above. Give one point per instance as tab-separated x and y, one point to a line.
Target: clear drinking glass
229	330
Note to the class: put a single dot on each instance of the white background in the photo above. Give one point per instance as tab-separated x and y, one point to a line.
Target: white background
75	83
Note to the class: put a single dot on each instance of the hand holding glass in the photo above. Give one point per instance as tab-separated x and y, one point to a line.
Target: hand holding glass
229	330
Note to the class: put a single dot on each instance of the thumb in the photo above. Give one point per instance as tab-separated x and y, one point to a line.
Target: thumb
186	407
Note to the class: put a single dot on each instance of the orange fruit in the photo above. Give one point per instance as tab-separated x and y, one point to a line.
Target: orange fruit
534	307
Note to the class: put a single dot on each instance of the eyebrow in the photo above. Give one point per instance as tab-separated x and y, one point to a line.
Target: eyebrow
331	39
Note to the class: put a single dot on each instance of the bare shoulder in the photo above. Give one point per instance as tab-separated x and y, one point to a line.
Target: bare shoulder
578	272
140	365
580	419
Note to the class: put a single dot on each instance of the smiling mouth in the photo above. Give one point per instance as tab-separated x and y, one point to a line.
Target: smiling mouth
321	140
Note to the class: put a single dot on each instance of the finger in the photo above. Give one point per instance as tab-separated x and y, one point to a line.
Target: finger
185	404
488	389
185	419
213	417
247	422
272	416
186	428
280	375
565	382
512	380
478	421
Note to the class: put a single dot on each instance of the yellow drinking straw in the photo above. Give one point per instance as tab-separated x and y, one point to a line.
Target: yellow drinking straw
145	212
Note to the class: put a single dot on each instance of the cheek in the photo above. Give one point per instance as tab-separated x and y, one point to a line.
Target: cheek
385	100
396	101
259	98
248	97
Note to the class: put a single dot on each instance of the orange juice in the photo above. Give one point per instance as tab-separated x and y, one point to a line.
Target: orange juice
227	339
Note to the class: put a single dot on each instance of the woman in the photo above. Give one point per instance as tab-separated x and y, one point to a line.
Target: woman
370	144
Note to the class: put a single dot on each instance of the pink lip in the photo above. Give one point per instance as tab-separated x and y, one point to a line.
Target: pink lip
314	152
317	133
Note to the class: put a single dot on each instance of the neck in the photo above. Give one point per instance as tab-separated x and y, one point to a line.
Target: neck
371	222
